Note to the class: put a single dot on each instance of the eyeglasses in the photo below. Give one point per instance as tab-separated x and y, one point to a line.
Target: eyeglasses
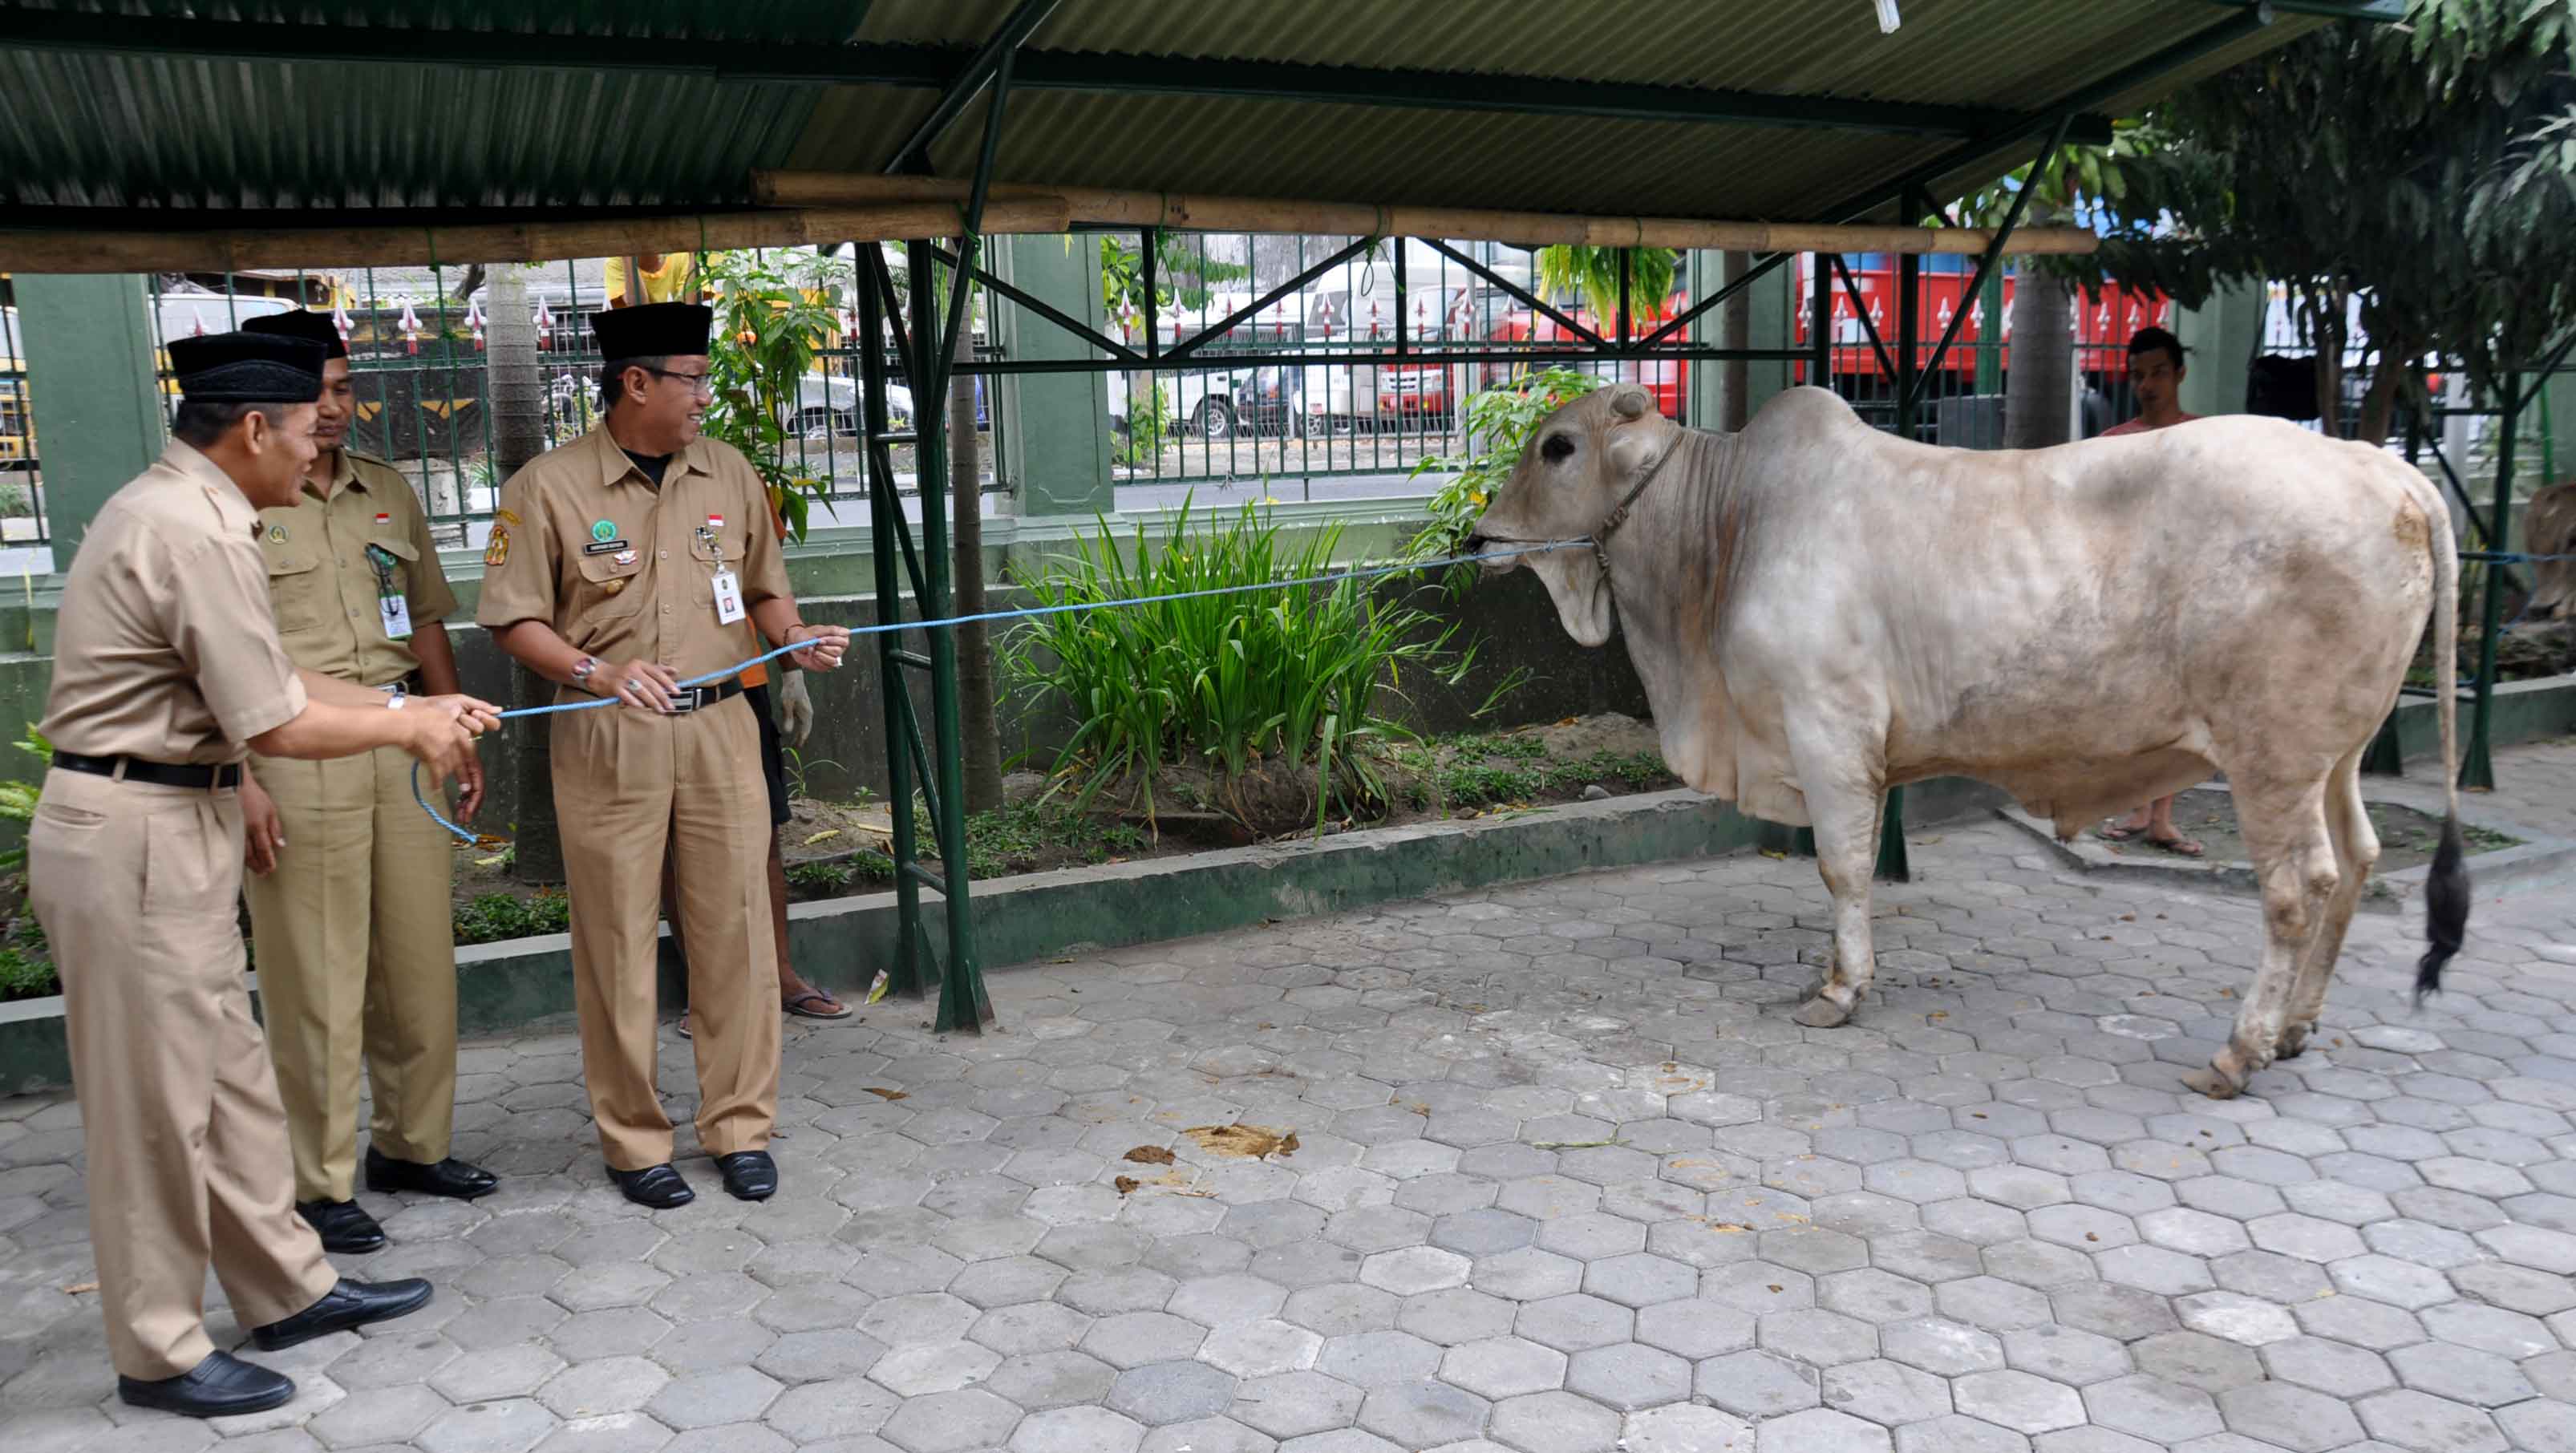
697	382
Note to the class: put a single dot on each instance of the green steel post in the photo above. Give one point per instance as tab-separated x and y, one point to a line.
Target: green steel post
1909	326
1990	335
2477	768
94	391
963	1006
885	516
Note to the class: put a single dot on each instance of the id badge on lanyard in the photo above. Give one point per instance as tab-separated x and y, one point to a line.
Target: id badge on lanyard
728	588
393	610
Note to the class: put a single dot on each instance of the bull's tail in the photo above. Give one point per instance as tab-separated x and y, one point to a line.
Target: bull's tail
2446	893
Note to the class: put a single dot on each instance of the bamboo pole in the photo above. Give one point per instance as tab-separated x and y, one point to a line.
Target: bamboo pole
1098	206
234	249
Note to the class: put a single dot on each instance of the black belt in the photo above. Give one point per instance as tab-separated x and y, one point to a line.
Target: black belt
699	698
159	774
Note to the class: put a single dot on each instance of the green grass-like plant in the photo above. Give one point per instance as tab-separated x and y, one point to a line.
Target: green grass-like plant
1300	674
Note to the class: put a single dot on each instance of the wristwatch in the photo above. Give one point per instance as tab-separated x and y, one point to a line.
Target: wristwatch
395	697
581	670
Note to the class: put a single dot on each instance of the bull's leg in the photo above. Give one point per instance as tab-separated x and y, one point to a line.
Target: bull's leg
2283	819
1847	827
2356	849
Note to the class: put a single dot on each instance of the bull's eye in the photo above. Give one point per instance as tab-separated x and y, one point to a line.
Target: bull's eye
1556	448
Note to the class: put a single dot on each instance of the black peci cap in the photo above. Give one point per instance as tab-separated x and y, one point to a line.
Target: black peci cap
247	368
301	323
656	330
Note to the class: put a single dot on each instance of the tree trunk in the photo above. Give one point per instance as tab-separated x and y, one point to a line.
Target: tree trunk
975	714
2038	385
2330	340
2379	406
515	392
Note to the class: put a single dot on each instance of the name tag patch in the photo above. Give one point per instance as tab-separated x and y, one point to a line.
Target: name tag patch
608	546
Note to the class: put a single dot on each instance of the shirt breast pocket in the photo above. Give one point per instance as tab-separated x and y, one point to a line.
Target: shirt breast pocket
300	591
611	587
396	564
724	551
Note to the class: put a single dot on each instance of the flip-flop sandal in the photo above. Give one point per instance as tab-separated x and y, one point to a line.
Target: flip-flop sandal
2181	847
796	1006
2115	832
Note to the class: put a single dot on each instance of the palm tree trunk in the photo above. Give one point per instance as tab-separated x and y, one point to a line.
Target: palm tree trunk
515	392
976	717
2039	383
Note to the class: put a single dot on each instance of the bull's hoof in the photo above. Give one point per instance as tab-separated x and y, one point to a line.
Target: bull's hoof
1822	1013
2213	1084
2226	1076
2294	1041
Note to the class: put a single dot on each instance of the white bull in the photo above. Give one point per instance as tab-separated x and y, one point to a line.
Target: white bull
1821	611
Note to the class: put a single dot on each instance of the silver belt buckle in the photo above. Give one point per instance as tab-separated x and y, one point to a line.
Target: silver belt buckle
688	699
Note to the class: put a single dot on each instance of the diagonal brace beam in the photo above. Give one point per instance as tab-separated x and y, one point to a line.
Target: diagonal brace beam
990	61
1752	275
1240	316
1519	293
1860	310
1994	252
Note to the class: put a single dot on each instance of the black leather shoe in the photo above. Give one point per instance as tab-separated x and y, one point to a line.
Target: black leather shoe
218	1387
350	1304
657	1186
344	1226
749	1175
451	1177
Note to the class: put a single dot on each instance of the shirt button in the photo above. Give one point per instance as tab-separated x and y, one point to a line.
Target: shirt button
666	554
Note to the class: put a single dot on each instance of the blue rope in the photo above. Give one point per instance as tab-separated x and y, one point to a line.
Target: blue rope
1027	613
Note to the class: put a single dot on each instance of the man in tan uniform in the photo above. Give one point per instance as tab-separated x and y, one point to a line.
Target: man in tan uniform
165	665
621	564
349	893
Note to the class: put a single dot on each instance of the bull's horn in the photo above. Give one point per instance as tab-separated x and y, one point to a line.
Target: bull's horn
1631	400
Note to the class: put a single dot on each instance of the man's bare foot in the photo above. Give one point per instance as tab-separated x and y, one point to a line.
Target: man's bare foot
807	1002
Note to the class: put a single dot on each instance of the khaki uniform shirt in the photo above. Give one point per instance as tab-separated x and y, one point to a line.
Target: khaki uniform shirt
622	571
324	587
163	648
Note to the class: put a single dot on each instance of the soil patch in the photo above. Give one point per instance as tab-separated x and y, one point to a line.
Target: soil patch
2407	838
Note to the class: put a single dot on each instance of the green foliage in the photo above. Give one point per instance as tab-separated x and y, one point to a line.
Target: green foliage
774	313
1478	772
1500	419
26	971
18	799
1183	275
798	767
1228	681
820	877
1590	276
496	916
1147	427
2425	170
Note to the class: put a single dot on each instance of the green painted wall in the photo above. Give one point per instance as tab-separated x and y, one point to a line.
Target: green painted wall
2219	338
95	393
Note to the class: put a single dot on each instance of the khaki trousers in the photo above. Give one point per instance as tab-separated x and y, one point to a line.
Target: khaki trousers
631	785
357	960
136	887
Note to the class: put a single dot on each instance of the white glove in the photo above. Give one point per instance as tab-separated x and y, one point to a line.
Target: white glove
795	709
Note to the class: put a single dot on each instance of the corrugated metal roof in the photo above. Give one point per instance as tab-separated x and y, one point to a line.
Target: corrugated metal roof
118	127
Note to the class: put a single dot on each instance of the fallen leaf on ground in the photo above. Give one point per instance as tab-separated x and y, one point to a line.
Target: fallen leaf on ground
883	1094
1125	1184
1238	1141
1150	1155
78	1287
826	835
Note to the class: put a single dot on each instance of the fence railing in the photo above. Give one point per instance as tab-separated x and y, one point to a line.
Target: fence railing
1334	360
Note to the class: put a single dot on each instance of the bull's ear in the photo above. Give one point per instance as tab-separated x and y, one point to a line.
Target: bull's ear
1631	401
